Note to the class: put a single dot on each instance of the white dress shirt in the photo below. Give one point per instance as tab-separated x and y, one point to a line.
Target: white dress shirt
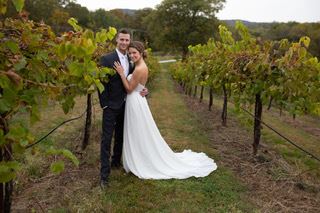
124	62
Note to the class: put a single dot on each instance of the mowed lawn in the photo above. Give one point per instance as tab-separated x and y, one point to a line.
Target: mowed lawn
77	190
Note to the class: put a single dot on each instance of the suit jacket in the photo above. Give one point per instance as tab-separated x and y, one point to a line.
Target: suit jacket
114	93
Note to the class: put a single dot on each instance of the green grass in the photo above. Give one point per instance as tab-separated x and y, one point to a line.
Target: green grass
79	191
218	192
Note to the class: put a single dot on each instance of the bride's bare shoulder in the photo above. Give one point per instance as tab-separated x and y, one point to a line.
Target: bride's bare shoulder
142	69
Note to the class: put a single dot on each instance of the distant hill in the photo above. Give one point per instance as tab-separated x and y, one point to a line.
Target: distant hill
232	22
129	12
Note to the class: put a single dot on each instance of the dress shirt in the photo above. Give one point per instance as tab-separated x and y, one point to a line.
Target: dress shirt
124	62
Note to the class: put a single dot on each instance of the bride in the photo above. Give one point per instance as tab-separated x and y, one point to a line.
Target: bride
145	152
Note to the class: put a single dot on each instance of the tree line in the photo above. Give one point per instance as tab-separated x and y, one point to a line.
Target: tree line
171	27
292	31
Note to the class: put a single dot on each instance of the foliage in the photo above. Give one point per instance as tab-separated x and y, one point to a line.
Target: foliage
37	66
256	71
180	23
153	65
292	31
283	70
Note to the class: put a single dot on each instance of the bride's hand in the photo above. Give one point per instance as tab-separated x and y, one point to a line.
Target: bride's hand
117	66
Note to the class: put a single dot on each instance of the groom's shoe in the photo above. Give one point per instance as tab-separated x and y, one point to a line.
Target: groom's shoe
104	184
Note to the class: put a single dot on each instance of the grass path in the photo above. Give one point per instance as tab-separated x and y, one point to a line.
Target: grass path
76	189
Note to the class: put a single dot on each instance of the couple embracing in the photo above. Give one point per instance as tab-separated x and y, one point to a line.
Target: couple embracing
137	140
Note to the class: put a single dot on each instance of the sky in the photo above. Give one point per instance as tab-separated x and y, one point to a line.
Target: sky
249	10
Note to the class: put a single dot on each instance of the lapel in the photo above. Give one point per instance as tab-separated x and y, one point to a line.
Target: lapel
131	65
115	56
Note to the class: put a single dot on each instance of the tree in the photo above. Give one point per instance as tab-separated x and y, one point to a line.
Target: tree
58	20
103	19
78	12
41	10
180	23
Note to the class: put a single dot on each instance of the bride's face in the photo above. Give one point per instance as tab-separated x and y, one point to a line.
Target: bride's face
134	54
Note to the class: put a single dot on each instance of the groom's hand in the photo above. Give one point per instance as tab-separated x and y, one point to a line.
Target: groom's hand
144	92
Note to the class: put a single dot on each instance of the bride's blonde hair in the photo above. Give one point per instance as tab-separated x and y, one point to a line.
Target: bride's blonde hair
140	47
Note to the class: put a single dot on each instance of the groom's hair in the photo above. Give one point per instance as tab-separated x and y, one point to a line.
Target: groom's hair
123	31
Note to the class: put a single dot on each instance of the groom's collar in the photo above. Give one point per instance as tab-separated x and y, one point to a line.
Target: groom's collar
120	53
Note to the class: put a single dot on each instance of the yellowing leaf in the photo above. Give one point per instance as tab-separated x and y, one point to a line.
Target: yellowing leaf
57	167
3	6
111	33
66	153
305	40
74	23
99	85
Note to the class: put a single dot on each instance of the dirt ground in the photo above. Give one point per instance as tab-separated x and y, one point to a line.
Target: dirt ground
273	184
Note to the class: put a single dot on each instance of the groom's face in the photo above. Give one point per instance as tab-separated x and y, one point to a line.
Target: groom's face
123	41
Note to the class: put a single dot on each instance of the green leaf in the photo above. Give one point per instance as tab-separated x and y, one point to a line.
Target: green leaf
68	104
89	46
88	34
57	167
18	148
52	151
5	106
62	50
9	99
74	23
4	81
111	33
99	85
18	4
17	132
76	69
101	36
305	40
8	170
35	114
21	64
30	95
3	6
66	153
13	46
42	55
107	71
302	52
2	138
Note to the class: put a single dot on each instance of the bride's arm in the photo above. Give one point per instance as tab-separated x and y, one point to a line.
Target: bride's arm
128	85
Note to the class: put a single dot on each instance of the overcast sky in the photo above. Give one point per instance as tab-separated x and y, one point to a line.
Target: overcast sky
250	10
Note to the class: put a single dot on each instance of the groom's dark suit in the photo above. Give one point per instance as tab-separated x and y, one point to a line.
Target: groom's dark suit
112	101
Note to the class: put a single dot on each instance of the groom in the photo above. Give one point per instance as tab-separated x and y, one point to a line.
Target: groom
112	101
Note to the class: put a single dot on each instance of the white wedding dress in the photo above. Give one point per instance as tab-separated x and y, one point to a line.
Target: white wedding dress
145	152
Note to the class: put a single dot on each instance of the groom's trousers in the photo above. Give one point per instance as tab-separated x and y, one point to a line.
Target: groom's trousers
112	121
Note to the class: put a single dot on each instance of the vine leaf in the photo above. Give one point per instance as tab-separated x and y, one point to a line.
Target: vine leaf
57	167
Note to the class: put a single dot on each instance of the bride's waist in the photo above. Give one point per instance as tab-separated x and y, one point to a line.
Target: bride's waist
139	88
